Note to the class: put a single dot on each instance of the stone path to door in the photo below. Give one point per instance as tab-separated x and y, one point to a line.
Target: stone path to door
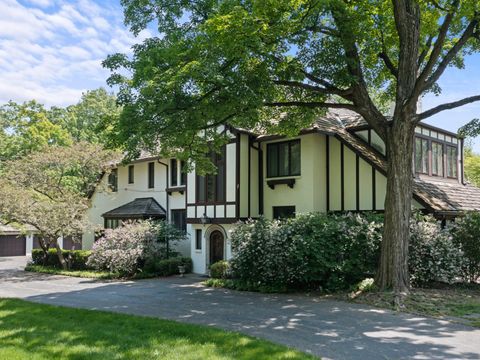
331	329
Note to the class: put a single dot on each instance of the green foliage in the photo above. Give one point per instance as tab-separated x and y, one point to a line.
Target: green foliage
243	285
311	250
244	63
465	233
366	285
220	270
167	267
76	259
472	167
434	256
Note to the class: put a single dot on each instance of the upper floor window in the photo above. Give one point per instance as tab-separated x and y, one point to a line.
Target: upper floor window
421	155
283	158
177	173
437	159
451	161
131	174
179	219
151	175
113	180
211	188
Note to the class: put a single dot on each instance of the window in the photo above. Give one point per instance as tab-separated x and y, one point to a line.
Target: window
421	155
112	223
211	187
173	172
151	175
451	161
437	159
179	219
283	159
183	173
283	212
113	180
198	239
131	174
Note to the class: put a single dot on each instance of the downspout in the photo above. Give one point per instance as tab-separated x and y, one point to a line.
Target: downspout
168	207
462	165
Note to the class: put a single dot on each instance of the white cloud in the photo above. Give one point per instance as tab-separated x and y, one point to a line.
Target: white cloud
51	50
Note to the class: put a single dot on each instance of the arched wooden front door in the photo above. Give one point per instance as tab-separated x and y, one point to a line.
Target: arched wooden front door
216	246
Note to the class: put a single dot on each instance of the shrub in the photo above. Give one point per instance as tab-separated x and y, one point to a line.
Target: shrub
327	250
76	259
220	270
466	234
167	267
128	248
433	256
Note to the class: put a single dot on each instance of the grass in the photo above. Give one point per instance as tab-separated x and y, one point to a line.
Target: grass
240	285
36	332
91	274
456	302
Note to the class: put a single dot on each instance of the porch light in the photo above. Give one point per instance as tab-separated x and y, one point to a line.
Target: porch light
205	219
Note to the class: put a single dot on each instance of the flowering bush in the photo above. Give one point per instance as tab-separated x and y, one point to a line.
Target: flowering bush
328	250
127	248
466	234
433	255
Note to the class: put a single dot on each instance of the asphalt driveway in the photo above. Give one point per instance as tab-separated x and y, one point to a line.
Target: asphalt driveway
331	329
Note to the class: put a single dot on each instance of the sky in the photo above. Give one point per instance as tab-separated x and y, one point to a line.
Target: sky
51	51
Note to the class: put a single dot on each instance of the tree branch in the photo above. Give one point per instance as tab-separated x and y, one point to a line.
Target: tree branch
447	106
388	63
423	54
311	104
467	34
321	90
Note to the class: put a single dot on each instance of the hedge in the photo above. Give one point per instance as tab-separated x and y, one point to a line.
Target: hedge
168	267
76	258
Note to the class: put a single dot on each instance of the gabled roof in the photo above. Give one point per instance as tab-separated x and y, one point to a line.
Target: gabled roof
141	208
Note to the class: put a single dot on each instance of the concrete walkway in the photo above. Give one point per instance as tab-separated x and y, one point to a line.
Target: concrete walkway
331	329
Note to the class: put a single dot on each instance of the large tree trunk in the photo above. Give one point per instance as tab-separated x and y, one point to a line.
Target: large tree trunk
393	270
61	259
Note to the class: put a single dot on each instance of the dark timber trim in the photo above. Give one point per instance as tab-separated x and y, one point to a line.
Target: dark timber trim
289	182
357	181
249	174
237	175
342	177
374	195
327	153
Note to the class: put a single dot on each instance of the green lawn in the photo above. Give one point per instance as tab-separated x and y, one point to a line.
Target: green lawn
34	331
76	273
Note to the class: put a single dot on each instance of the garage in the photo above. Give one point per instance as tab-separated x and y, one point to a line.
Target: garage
13	245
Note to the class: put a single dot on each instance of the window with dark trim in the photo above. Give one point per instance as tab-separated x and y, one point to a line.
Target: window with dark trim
183	173
211	188
451	161
151	175
179	219
112	223
437	158
113	180
283	159
131	174
421	155
173	172
283	212
198	239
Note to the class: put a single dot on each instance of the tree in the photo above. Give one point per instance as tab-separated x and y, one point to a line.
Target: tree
28	127
49	188
246	62
91	118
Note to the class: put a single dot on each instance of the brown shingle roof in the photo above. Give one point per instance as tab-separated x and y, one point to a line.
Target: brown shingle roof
141	208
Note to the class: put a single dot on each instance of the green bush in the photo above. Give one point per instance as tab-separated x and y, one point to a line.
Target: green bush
167	267
433	256
466	234
76	259
220	270
330	251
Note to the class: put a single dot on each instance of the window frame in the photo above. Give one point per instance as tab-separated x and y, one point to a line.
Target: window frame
277	146
113	180
131	174
183	226
442	174
198	239
445	145
216	200
151	175
455	148
422	139
173	172
284	207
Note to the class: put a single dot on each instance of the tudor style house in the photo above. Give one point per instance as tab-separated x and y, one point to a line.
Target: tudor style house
336	165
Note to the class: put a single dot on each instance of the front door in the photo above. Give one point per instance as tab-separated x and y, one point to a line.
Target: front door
216	246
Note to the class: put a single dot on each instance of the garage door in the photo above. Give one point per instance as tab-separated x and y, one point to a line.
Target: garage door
12	245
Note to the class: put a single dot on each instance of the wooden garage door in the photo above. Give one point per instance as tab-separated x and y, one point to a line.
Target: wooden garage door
12	245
